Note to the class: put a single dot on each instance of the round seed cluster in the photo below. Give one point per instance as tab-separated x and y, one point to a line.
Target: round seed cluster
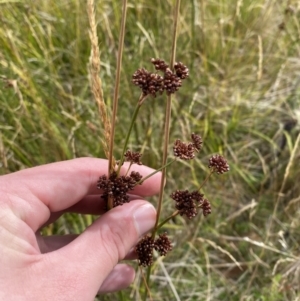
163	244
172	82
117	187
197	141
181	70
187	203
159	64
144	250
206	207
133	157
150	83
218	164
184	151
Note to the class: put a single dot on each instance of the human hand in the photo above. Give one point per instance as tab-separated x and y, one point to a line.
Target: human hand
69	267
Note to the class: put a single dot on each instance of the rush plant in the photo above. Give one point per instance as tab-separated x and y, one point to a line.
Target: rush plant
164	79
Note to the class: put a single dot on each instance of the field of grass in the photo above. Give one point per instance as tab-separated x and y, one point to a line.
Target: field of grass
242	96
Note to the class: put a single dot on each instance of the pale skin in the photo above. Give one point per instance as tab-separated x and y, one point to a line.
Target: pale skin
71	267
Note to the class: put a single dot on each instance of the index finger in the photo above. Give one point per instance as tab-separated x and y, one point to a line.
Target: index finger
61	185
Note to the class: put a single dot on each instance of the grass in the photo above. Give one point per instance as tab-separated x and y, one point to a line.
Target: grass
242	97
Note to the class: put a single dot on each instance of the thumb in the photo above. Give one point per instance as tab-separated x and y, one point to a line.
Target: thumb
89	259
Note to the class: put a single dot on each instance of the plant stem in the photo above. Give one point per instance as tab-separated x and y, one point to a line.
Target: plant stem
167	120
167	219
147	290
135	113
116	91
128	168
155	171
206	179
166	132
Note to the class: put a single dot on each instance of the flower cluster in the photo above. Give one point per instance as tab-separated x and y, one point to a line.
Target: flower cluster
118	187
187	203
162	244
144	248
218	164
186	151
133	157
181	70
197	142
206	207
149	83
172	82
152	83
159	64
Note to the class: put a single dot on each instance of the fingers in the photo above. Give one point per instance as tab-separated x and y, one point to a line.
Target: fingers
101	246
58	186
52	243
94	204
91	204
119	278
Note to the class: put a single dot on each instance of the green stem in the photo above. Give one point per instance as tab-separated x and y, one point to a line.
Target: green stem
155	171
128	168
135	113
206	179
116	91
167	219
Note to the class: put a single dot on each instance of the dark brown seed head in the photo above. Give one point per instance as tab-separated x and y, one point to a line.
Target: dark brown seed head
159	64
118	187
184	151
197	141
181	70
162	244
187	202
150	83
135	177
218	164
144	250
133	157
206	207
171	82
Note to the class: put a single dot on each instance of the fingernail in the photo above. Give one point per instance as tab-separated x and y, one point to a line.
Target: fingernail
144	217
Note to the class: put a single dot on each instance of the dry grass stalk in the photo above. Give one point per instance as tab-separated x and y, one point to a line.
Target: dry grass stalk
95	80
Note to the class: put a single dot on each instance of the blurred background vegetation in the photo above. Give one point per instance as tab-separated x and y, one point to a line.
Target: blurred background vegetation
242	96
